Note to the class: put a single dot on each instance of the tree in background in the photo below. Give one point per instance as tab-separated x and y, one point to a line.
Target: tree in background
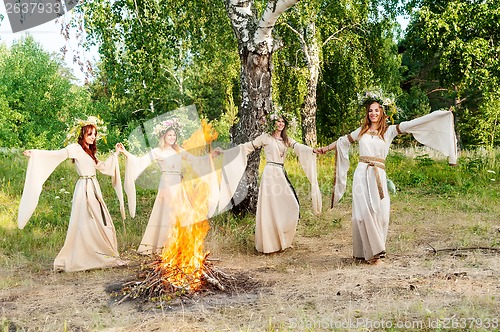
336	49
157	56
253	24
451	53
37	97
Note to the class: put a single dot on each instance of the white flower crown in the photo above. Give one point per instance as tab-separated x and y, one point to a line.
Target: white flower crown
290	119
78	124
377	95
162	127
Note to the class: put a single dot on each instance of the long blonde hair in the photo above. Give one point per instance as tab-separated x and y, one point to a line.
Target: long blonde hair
382	123
163	144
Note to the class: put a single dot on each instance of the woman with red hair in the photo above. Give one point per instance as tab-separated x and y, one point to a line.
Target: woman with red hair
91	238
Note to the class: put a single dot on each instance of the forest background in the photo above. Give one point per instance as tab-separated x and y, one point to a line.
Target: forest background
157	57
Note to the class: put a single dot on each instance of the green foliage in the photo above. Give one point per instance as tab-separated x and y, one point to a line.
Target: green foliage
44	234
363	57
157	56
481	124
37	97
355	49
472	185
450	54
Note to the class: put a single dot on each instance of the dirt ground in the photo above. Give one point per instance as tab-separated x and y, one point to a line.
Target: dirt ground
314	286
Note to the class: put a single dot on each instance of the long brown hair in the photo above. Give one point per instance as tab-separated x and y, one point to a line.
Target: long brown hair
284	134
91	150
382	123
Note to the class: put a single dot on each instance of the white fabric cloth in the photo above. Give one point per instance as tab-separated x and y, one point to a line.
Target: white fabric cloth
370	212
277	206
172	201
91	238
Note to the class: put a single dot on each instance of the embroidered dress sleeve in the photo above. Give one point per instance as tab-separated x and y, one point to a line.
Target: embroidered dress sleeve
342	147
435	130
133	168
234	163
40	165
111	167
307	159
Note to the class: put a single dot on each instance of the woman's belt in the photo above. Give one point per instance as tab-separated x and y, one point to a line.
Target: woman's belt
376	163
171	172
87	176
272	163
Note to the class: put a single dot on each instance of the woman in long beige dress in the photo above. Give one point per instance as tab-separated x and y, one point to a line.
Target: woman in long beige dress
277	206
172	203
370	197
91	238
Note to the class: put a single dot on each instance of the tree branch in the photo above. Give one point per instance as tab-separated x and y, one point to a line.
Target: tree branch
333	36
240	13
268	20
435	251
436	90
302	40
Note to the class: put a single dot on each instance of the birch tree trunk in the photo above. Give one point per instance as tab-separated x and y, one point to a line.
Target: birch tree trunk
256	46
308	113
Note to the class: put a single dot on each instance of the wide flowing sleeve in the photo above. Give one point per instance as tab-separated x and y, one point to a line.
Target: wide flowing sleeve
234	164
204	179
111	167
435	130
342	146
307	159
134	167
40	165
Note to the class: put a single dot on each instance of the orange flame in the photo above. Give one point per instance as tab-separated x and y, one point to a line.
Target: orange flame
183	255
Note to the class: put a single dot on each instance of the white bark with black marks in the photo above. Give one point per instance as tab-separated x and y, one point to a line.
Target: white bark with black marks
256	45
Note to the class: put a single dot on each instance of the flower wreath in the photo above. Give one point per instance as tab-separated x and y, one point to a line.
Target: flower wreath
377	95
78	124
290	119
161	128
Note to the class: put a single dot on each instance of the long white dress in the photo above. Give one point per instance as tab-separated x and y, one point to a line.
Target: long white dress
370	197
91	238
277	206
172	202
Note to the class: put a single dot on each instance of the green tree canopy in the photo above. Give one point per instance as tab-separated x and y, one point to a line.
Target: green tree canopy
451	53
37	97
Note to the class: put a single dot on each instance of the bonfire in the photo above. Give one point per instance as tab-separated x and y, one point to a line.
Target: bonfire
184	267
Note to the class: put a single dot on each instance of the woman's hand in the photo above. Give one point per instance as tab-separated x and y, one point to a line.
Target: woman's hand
120	148
217	151
27	153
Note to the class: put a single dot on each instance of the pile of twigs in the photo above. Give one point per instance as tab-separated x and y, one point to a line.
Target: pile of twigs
152	283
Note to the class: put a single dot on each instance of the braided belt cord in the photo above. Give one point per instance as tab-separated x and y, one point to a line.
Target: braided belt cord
376	163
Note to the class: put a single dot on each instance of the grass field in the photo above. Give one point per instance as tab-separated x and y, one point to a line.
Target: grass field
314	286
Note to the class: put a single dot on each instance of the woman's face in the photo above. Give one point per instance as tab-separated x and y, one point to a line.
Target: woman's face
280	124
90	136
375	112
170	137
